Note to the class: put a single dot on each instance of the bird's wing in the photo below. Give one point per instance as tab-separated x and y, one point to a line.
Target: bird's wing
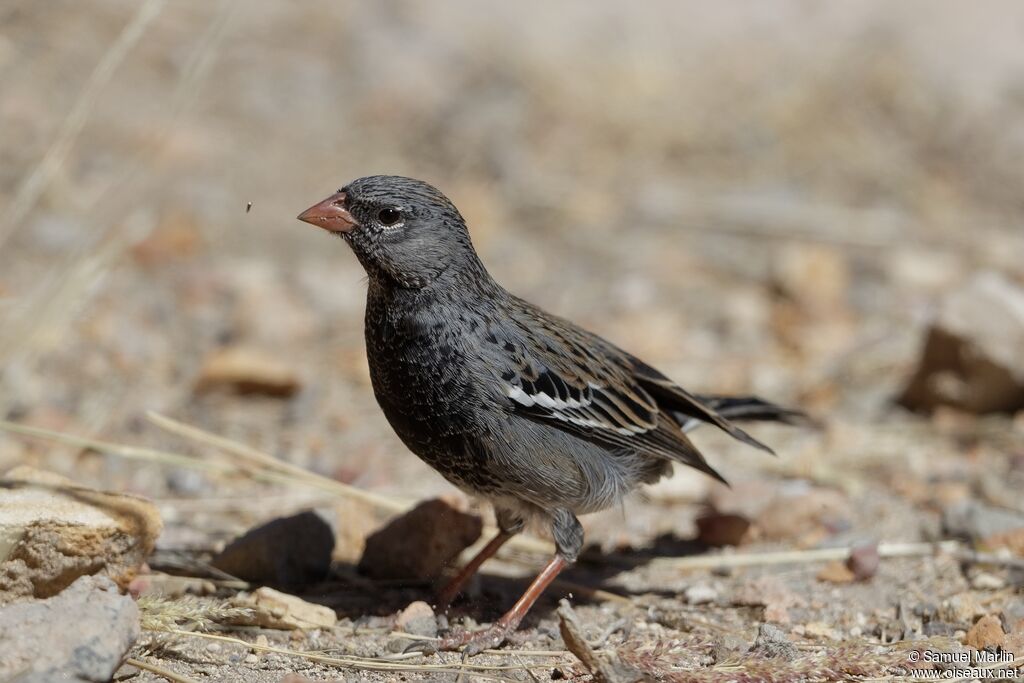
554	372
683	404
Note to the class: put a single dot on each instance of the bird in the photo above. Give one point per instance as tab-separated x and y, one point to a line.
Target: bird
508	402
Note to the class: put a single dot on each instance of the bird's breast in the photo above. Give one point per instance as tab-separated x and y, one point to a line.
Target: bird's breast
421	379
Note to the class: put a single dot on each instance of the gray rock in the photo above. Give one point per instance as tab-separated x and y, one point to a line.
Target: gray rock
974	521
81	634
772	642
417	619
728	647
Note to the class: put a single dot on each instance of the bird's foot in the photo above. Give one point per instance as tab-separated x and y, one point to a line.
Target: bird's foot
471	642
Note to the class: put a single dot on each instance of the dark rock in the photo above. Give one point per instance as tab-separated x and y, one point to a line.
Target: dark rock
972	358
420	543
289	551
863	561
722	529
81	634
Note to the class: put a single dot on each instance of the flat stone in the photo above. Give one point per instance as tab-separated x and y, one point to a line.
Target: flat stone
53	531
274	609
248	371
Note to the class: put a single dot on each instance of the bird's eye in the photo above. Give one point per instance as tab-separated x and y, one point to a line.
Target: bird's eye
389	216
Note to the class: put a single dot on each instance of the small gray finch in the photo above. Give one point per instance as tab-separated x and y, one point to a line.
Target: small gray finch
508	402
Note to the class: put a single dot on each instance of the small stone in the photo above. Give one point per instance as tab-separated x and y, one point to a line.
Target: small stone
700	594
39	645
960	609
819	629
863	561
836	572
981	524
53	531
248	371
986	633
1013	613
805	517
290	552
772	594
274	609
251	658
1011	540
816	277
772	642
420	543
984	581
418	619
728	648
722	529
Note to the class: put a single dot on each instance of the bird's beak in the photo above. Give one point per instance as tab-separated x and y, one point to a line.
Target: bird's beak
330	214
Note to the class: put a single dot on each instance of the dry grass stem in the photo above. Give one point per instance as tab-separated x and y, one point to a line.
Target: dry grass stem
159	671
885	550
365	663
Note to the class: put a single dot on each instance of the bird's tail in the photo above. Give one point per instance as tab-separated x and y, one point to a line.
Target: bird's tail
747	409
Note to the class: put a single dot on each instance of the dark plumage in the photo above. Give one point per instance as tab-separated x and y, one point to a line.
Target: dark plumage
507	401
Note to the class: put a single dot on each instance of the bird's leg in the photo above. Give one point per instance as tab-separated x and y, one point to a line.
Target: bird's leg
569	540
509	524
454	587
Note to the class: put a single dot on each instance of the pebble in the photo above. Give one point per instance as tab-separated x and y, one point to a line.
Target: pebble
984	581
700	594
772	642
986	633
417	619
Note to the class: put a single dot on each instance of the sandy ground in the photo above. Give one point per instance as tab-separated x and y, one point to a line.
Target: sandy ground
771	201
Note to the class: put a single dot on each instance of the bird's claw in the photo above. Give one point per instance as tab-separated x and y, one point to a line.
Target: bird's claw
426	647
484	639
471	642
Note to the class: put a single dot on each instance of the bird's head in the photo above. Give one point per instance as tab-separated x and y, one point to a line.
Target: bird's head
402	230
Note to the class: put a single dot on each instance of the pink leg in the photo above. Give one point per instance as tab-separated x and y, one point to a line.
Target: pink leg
454	587
477	641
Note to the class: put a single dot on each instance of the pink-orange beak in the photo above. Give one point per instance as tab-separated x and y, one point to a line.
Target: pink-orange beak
330	214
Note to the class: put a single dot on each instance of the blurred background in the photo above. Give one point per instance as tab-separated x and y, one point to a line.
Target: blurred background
777	198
